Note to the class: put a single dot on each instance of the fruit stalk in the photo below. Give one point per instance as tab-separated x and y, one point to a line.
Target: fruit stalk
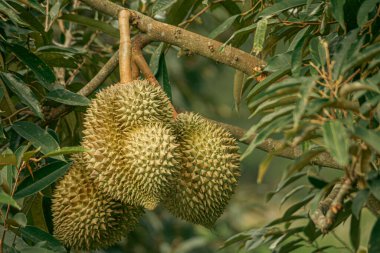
125	47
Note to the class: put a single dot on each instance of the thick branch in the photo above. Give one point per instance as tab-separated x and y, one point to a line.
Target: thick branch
182	38
270	145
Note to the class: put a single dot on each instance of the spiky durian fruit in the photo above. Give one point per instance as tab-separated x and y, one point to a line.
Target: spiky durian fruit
121	152
116	110
145	169
83	217
209	170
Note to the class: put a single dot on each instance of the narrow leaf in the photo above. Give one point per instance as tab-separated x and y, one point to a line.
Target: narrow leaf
280	7
162	76
37	136
223	26
359	202
238	88
365	8
95	24
41	179
41	70
374	240
264	165
68	97
37	235
22	90
8	200
371	137
338	12
304	94
355	232
336	141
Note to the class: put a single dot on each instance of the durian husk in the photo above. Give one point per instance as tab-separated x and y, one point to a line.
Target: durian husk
84	218
113	122
209	170
146	168
373	205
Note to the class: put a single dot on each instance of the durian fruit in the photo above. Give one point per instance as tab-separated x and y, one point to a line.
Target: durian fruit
209	170
83	217
145	169
116	115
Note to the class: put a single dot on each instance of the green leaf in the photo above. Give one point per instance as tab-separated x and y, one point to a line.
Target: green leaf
238	88
264	165
285	183
291	193
297	56
364	56
336	141
95	24
8	200
259	37
275	125
22	90
36	249
268	81
36	235
359	202
305	92
304	159
369	136
355	232
41	70
162	76
223	26
297	206
373	181
278	61
338	11
19	219
365	8
68	97
374	240
280	7
37	136
58	59
65	151
9	11
41	179
162	5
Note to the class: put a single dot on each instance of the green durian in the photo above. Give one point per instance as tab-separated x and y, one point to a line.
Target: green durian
145	169
118	118
209	170
83	217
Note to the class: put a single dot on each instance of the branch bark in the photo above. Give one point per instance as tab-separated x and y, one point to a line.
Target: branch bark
182	38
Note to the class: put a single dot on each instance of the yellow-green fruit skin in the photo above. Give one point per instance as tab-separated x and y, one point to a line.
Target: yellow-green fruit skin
146	169
83	217
111	124
209	170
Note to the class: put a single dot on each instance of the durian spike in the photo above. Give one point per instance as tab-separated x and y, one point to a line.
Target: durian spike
125	48
148	74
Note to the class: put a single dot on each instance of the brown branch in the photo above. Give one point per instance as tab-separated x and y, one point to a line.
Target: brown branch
328	209
182	38
125	48
276	147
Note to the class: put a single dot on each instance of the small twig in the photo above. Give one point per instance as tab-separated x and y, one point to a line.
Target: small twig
328	208
125	48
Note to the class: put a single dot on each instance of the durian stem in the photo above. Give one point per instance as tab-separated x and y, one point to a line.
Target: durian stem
125	48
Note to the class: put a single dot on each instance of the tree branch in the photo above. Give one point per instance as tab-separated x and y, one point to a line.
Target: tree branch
182	38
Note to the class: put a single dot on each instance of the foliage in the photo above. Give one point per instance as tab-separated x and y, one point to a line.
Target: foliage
318	93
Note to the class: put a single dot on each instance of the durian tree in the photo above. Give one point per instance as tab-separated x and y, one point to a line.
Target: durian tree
84	149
